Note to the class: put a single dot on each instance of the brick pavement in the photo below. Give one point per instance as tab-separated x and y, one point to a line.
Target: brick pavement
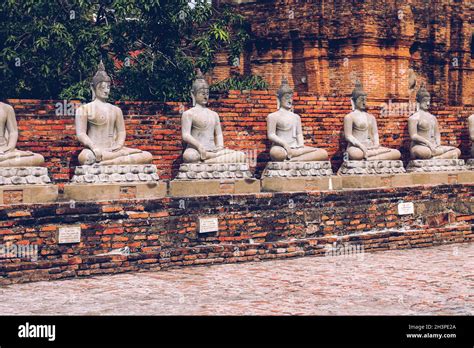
429	281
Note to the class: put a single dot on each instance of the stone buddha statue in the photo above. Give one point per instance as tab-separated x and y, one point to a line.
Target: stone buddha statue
100	127
10	156
361	133
202	132
286	134
424	132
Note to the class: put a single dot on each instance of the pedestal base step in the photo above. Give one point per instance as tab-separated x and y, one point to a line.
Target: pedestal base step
183	188
115	173
28	194
297	184
297	169
114	191
206	171
436	165
371	167
24	176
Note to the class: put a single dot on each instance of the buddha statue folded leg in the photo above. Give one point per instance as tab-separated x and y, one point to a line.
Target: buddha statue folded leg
302	154
225	156
355	154
420	152
191	155
17	158
384	153
308	154
380	153
447	152
278	153
444	152
123	156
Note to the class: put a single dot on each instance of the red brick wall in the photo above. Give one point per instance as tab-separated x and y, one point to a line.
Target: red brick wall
163	233
156	127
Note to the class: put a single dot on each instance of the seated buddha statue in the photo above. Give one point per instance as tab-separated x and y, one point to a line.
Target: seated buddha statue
470	121
202	132
100	127
424	132
361	133
285	132
10	156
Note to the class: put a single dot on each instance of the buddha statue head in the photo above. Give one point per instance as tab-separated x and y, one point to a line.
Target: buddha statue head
423	98
358	97
200	90
285	95
100	84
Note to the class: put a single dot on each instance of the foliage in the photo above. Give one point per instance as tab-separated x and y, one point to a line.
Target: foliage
150	47
246	82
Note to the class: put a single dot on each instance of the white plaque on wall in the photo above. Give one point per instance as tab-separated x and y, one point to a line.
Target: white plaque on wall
69	234
406	208
209	224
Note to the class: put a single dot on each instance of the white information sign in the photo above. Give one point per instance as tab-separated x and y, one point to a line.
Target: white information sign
69	234
406	208
209	224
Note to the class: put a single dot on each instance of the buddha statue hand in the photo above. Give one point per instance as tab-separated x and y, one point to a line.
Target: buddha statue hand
432	147
98	154
364	150
5	150
115	148
372	147
202	153
288	151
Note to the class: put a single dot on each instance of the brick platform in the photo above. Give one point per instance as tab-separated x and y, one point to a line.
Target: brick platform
163	233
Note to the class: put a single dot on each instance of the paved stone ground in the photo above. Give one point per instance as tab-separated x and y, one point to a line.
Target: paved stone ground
431	281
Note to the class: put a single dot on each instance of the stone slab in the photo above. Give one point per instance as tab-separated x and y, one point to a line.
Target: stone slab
297	169
115	174
323	183
352	182
114	191
24	176
466	177
182	188
26	194
378	167
436	165
213	171
407	179
438	178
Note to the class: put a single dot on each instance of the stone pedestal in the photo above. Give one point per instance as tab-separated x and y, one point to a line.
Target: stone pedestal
470	164
183	188
217	171
28	194
436	165
114	191
297	169
371	167
24	176
301	184
115	173
203	179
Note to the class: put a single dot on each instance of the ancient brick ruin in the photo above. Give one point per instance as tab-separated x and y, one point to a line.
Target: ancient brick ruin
391	46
